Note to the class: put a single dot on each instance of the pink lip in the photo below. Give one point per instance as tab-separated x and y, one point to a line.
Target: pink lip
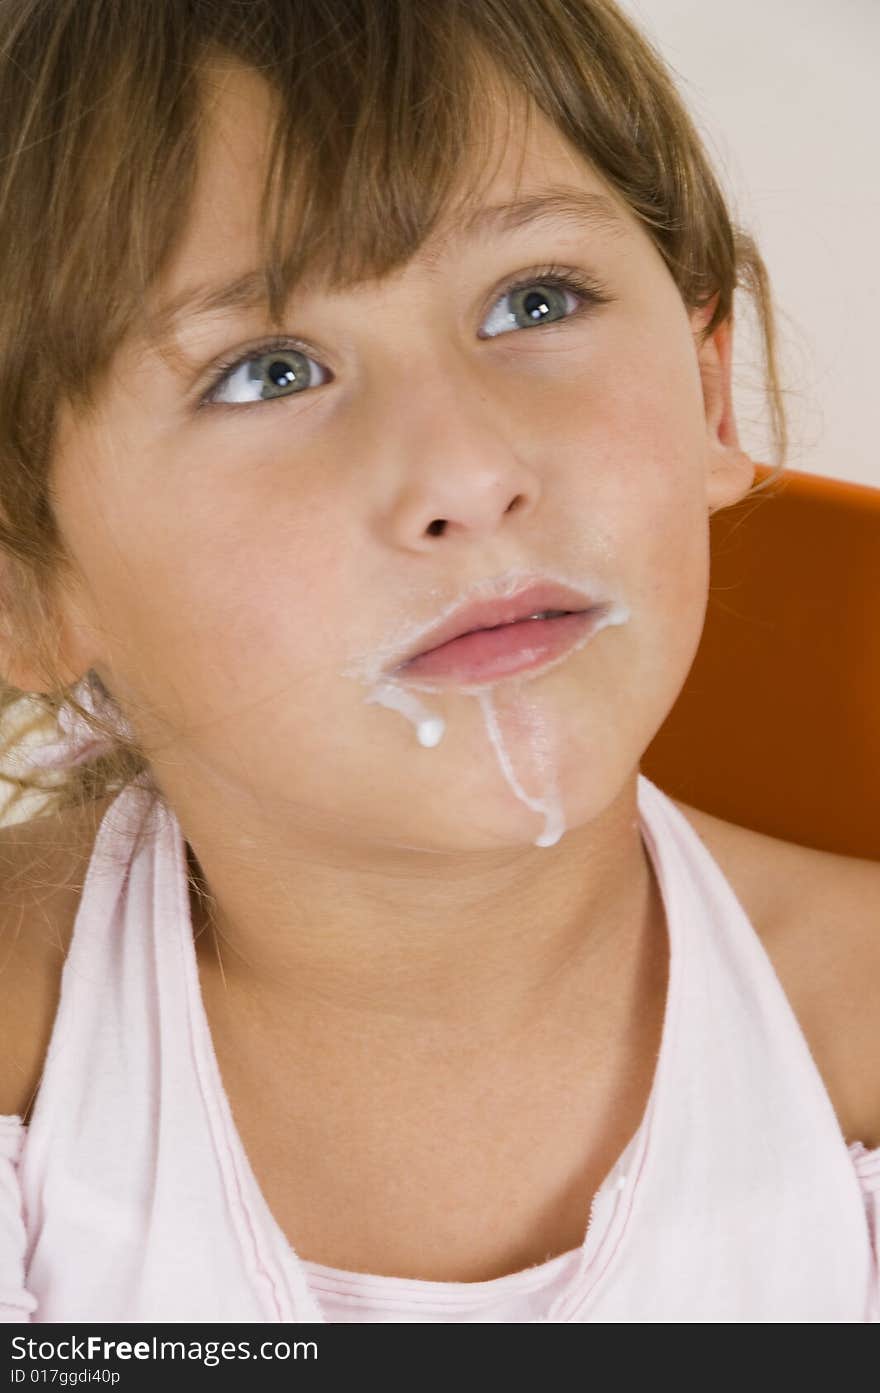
540	595
493	638
488	654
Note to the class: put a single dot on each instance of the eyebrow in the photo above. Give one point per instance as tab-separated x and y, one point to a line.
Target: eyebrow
582	209
562	204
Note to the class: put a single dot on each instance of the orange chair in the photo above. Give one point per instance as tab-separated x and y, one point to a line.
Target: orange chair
777	727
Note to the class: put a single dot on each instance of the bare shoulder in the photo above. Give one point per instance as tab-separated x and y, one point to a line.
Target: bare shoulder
43	864
817	914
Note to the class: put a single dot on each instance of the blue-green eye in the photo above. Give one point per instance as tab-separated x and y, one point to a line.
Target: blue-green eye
282	367
533	303
266	372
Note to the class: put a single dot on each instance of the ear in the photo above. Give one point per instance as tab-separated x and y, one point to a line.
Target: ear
20	667
730	472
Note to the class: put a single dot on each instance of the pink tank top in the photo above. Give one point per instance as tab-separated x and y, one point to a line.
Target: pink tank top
129	1196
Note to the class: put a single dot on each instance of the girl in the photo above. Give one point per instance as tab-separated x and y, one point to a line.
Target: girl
366	394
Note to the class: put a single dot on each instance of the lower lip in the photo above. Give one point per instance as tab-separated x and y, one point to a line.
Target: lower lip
487	654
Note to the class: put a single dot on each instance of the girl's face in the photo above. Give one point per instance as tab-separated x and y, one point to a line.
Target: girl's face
239	556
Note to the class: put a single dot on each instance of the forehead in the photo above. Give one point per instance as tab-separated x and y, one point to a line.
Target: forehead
522	156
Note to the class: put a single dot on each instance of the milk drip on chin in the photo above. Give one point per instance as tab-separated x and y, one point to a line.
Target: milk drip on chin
430	729
506	713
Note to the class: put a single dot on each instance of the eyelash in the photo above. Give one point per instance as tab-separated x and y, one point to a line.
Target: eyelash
589	290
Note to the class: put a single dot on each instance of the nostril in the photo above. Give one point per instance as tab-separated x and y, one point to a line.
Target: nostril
437	527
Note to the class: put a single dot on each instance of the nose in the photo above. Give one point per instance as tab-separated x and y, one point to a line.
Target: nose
458	469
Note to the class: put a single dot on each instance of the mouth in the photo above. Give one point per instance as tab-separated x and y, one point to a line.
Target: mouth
482	642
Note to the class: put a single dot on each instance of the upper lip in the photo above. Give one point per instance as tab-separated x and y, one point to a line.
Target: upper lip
487	614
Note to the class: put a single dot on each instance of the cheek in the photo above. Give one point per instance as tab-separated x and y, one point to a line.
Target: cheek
266	602
669	536
636	446
219	609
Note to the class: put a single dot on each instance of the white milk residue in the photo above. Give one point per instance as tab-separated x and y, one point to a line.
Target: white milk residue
551	803
429	729
528	724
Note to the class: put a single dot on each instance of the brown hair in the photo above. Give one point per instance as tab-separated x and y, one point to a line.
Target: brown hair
378	102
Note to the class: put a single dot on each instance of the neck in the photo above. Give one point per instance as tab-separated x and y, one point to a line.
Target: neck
470	951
